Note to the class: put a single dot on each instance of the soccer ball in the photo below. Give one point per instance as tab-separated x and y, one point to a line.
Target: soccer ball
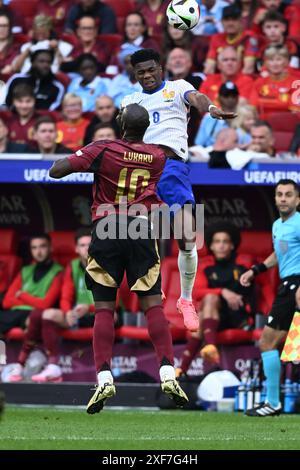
183	14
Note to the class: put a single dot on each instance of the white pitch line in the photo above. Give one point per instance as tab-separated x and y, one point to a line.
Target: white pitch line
185	438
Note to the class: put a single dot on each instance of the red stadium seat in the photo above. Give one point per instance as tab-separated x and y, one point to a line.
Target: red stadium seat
121	7
26	8
86	334
284	122
282	140
9	262
63	246
257	244
113	41
9	241
233	336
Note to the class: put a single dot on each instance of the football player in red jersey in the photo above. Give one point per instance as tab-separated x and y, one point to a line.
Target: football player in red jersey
126	173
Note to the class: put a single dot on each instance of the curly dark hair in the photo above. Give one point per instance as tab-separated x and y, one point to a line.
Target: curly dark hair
226	227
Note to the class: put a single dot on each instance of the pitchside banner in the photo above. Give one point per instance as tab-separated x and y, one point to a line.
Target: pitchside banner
137	363
18	171
32	208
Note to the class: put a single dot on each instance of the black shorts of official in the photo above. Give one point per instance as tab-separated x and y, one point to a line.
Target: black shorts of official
109	259
284	305
12	319
232	318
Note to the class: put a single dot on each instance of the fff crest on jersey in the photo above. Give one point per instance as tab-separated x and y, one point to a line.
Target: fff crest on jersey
168	95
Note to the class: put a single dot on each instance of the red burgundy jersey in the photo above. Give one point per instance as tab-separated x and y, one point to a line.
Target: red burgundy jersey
125	173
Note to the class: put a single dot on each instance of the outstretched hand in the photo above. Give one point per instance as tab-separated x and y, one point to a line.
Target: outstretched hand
218	113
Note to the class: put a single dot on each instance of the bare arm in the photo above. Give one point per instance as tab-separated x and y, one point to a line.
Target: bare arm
202	103
249	275
271	260
61	168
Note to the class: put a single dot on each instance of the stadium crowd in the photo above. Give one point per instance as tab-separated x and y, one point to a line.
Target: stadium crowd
71	61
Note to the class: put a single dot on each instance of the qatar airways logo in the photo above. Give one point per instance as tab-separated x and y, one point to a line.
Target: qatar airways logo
138	221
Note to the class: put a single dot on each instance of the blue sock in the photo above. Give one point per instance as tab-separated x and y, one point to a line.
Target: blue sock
272	365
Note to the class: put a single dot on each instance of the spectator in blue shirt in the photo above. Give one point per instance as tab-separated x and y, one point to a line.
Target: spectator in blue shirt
209	127
88	85
210	17
103	13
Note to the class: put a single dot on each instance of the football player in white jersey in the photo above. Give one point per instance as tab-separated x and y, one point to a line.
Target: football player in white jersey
167	103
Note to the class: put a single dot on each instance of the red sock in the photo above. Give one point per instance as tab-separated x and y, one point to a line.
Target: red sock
191	350
210	328
32	335
50	336
103	338
160	335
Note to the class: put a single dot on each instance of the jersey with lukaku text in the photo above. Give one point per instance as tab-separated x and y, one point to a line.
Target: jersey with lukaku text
125	173
168	109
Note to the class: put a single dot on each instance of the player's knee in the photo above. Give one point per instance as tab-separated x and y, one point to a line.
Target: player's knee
53	315
264	344
211	300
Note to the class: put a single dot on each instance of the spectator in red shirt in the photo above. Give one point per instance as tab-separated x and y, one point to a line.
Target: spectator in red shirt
273	93
45	135
224	304
36	287
6	145
229	67
8	47
88	43
274	34
154	11
57	9
24	115
71	129
234	35
290	12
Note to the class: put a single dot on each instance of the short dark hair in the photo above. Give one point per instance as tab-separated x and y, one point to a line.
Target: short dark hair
87	56
144	55
135	118
225	227
286	181
44	120
82	232
103	125
21	91
232	12
274	16
262	123
41	235
34	54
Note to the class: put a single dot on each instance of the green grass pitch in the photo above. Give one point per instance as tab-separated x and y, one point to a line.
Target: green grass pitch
64	429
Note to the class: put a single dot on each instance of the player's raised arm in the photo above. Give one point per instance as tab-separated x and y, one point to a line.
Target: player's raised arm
81	161
204	105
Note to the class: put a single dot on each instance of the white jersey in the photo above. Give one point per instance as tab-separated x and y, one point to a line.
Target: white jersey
168	109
